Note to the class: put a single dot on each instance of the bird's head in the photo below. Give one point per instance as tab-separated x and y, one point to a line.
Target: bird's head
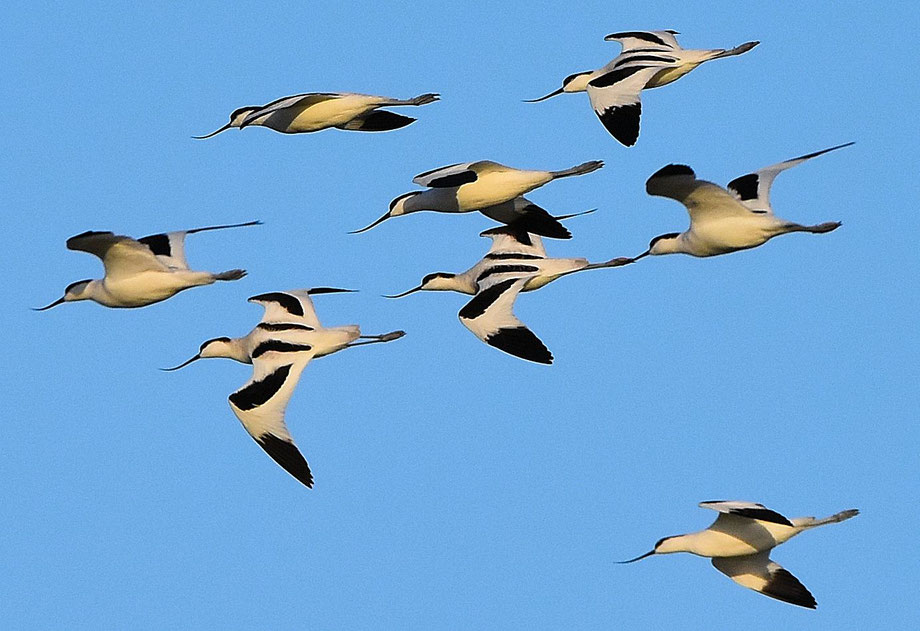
74	291
217	347
438	281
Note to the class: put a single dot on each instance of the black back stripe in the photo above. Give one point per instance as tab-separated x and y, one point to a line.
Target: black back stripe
283	326
279	347
642	35
615	76
507	269
456	179
484	299
287	455
501	256
632	58
521	342
158	244
288	302
745	186
259	392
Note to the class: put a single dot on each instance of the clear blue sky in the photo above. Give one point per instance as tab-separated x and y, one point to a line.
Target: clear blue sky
456	487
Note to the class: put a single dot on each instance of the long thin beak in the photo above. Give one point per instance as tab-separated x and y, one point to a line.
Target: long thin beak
405	293
638	558
366	228
53	304
543	98
182	365
214	133
642	256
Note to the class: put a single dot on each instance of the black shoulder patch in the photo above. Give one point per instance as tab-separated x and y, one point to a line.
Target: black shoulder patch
279	347
507	269
763	514
538	221
288	456
623	122
259	392
382	120
784	586
158	244
641	35
288	302
672	170
283	326
745	186
456	179
484	299
615	76
521	342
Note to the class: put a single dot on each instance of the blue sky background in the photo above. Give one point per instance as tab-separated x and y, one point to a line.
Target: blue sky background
456	487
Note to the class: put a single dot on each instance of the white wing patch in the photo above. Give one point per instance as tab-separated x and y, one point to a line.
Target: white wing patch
615	98
758	572
288	306
751	510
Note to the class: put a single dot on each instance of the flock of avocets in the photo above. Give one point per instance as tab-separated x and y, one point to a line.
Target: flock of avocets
140	272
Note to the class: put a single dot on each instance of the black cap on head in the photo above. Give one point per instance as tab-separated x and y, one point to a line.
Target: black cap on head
670	235
437	275
216	339
79	282
403	196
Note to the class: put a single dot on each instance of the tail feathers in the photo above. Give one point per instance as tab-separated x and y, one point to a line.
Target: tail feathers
581	169
233	274
811	522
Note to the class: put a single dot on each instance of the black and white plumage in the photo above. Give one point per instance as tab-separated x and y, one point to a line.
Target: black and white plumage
314	111
280	346
493	189
140	272
516	262
739	543
649	59
724	220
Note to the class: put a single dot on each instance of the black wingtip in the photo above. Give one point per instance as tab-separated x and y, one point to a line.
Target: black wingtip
286	454
521	342
623	123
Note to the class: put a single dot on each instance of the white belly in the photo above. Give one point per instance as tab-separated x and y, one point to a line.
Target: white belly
729	234
149	287
499	187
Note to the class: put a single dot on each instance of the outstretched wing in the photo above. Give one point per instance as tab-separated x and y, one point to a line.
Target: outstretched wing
455	174
513	242
758	572
751	510
294	306
615	97
524	215
753	189
490	317
169	247
289	107
650	40
121	255
260	404
703	200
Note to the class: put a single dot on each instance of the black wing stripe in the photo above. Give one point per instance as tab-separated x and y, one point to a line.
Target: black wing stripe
745	186
507	269
501	256
259	392
158	244
283	326
641	35
763	514
279	347
521	342
456	179
382	120
615	76
538	221
632	58
484	299
288	456
623	122
672	170
288	302
784	586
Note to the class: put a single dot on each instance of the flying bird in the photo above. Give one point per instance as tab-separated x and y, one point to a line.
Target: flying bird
516	262
279	348
493	189
649	59
315	111
739	544
725	220
140	272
